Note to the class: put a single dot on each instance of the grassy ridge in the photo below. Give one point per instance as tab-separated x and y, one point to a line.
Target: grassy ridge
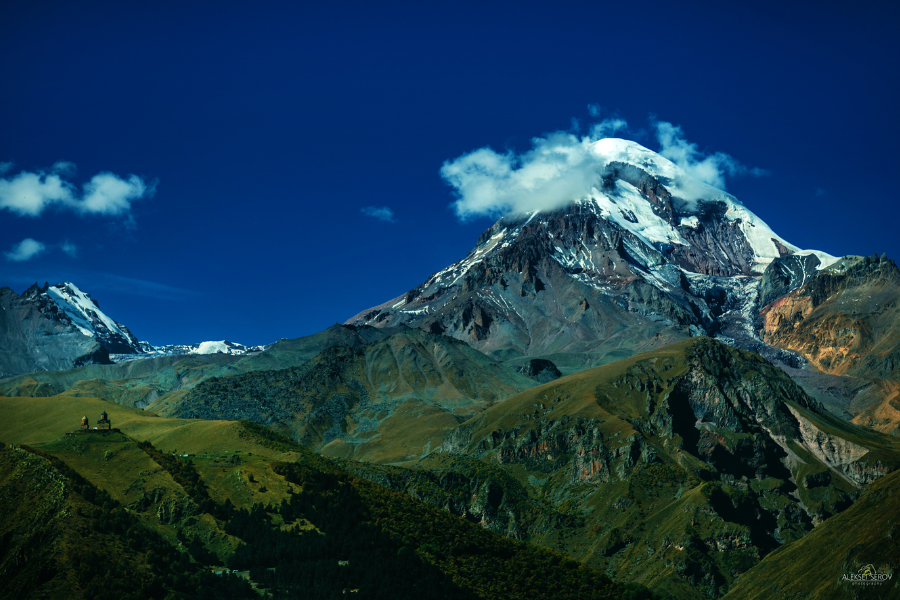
397	547
72	540
813	567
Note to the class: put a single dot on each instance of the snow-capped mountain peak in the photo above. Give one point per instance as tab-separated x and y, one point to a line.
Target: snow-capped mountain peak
213	347
691	198
72	306
85	313
647	241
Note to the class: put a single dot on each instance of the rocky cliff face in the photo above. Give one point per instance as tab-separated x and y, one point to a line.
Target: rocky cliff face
630	439
785	274
36	335
845	320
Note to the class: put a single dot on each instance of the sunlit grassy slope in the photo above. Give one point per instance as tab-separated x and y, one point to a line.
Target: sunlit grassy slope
397	546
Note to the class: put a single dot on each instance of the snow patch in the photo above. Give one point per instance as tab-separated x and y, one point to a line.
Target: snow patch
211	348
84	314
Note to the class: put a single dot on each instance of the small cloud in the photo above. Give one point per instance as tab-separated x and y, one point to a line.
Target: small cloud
382	213
69	248
5	167
63	167
710	169
25	250
820	191
107	194
608	128
29	194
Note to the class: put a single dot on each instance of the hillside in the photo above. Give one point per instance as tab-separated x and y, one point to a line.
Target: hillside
140	382
386	402
304	528
680	468
815	566
65	538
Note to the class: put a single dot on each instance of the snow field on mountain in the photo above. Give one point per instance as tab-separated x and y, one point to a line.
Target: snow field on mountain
78	307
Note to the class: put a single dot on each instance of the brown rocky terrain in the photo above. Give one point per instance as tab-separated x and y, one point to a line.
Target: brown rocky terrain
844	321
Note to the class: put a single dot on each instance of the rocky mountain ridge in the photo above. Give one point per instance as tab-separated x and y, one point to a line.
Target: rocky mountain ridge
650	256
37	334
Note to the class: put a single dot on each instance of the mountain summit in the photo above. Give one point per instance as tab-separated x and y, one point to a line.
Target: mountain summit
56	327
650	255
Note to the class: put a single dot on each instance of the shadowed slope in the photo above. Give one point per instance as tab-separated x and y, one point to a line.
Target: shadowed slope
814	566
680	468
384	402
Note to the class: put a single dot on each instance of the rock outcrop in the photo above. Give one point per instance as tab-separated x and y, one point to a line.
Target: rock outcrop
845	320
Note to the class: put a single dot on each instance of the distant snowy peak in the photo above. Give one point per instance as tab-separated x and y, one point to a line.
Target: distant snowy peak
220	347
78	309
224	347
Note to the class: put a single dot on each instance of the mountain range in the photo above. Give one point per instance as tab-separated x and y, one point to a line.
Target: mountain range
647	383
58	327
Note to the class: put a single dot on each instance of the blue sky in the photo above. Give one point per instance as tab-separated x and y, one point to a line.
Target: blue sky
258	171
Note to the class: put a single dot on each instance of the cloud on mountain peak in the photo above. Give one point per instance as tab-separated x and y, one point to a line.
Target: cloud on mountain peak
561	167
707	168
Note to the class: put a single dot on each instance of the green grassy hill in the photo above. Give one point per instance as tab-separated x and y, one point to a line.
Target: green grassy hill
301	528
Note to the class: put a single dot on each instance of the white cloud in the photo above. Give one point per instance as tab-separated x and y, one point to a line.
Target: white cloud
5	167
107	194
69	248
25	250
710	169
63	167
561	167
608	128
29	194
382	213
